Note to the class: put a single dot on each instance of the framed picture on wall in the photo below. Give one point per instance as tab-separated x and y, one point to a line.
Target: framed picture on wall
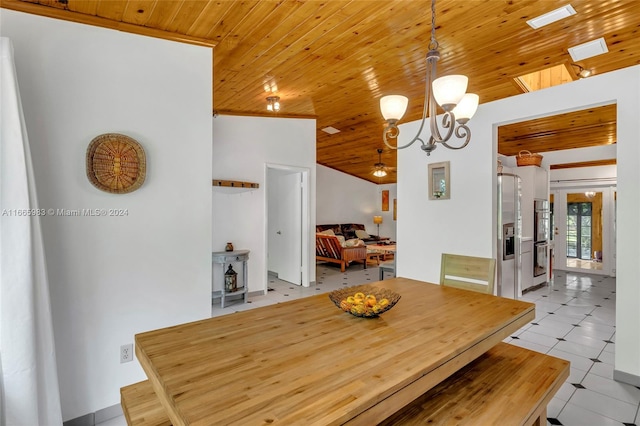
385	200
395	209
439	184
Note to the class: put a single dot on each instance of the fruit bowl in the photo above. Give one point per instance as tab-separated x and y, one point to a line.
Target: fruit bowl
364	300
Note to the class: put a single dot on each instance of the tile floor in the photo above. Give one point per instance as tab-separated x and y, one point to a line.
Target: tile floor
584	264
575	320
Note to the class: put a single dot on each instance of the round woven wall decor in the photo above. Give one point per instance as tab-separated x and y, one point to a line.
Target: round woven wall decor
116	163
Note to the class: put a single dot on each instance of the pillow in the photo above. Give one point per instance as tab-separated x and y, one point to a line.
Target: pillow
349	234
327	232
341	240
362	234
354	242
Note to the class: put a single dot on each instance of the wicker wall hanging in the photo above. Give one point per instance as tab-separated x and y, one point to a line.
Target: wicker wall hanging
116	163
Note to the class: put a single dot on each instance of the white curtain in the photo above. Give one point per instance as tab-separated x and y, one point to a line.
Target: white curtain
29	379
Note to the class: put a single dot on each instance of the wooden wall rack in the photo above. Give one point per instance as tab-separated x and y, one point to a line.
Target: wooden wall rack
235	184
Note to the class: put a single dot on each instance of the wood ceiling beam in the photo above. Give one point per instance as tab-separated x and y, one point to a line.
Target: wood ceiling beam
266	114
67	15
607	162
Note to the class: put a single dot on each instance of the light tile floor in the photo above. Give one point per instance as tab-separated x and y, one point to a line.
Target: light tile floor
575	320
584	264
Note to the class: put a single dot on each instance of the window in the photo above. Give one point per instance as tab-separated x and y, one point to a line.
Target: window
579	230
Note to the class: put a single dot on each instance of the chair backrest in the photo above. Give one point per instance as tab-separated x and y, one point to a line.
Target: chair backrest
467	272
328	246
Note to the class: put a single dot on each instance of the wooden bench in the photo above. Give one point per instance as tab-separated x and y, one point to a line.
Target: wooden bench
141	406
328	249
507	385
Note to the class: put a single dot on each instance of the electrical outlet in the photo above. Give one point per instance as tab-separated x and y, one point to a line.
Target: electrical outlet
126	353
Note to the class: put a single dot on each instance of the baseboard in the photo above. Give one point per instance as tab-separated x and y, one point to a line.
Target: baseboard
534	287
86	420
99	416
631	379
108	413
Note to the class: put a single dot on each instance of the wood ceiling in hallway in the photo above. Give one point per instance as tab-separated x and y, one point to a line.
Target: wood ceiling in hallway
332	60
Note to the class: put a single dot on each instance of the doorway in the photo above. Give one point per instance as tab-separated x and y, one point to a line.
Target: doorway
287	230
584	230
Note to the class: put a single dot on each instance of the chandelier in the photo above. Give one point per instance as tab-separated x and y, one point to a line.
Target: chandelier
448	92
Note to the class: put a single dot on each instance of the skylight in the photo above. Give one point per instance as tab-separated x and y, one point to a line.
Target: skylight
542	79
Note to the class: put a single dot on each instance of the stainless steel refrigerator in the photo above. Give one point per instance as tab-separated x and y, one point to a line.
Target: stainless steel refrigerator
509	261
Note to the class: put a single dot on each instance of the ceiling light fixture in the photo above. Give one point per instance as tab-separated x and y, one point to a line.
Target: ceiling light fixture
379	166
551	17
273	103
583	72
448	92
588	50
330	130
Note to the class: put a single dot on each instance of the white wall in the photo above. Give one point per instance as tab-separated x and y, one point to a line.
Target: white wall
113	277
342	198
462	224
242	147
465	224
583	177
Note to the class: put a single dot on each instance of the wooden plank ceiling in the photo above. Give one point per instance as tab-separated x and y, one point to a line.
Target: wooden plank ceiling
333	60
580	129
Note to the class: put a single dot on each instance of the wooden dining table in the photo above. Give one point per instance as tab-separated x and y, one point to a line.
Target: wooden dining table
307	362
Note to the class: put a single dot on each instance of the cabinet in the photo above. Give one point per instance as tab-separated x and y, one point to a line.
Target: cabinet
527	264
228	257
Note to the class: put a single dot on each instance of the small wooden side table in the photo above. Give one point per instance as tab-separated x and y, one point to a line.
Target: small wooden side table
225	257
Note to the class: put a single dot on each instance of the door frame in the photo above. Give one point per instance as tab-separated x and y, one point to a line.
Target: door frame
305	173
608	228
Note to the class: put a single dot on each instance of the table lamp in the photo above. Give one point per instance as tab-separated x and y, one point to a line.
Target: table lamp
377	220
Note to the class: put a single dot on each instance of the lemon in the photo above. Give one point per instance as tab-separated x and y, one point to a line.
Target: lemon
358	309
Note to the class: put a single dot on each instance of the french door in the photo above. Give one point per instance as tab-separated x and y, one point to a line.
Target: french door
579	227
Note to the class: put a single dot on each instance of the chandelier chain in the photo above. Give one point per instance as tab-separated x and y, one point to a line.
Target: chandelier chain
433	44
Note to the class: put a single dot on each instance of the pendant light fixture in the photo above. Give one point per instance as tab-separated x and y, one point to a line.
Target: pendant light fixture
448	92
273	103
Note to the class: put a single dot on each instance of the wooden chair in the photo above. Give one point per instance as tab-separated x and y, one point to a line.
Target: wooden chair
328	249
467	272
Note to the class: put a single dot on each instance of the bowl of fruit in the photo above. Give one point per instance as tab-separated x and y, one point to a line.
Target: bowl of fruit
364	300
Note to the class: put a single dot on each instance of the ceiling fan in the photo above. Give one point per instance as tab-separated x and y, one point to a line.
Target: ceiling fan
380	169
